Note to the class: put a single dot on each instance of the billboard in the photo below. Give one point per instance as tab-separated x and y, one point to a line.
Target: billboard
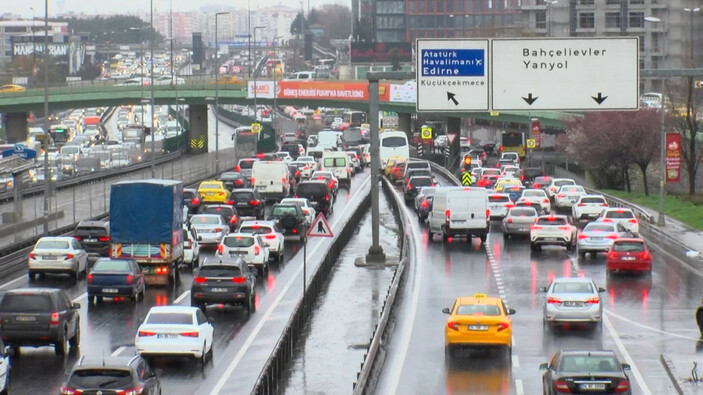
364	52
405	93
673	157
264	90
328	90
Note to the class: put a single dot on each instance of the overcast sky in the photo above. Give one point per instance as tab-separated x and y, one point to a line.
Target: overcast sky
140	6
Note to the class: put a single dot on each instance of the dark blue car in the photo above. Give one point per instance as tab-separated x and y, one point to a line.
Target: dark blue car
118	279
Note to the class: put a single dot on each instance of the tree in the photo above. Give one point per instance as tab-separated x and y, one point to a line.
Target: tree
295	26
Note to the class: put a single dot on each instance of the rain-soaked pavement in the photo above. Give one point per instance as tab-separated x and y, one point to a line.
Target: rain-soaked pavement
338	334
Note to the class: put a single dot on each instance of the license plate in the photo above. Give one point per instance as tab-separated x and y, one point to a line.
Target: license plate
237	253
628	258
90	240
550	239
167	336
219	289
477	327
110	290
592	386
523	229
573	304
242	203
26	318
596	238
312	203
48	258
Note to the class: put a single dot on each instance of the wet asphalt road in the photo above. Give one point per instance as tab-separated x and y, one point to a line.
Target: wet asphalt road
644	317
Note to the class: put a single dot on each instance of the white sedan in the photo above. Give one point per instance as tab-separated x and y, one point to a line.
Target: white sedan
305	206
57	254
248	247
271	236
175	331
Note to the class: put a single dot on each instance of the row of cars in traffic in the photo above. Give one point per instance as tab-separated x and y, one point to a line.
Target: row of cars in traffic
528	203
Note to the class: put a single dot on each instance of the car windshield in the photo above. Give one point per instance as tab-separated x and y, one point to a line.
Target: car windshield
498	199
572	189
619	214
568	287
52	245
25	303
238	241
392	142
204	220
246	164
170	318
305	189
90	230
335	162
596	200
209	185
628	246
241	196
563	182
522	212
477	309
589	363
220	271
551	221
539	193
222	210
102	378
598	228
256	229
111	265
281	211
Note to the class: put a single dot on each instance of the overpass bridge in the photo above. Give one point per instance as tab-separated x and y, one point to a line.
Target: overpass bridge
200	91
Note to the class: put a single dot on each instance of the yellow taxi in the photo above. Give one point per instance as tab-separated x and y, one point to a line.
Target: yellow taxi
503	182
478	321
229	79
391	161
213	192
9	88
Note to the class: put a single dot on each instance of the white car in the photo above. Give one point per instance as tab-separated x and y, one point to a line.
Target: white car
536	197
57	254
191	247
284	156
247	246
622	216
175	331
304	169
557	183
304	204
209	228
509	171
310	160
499	204
354	160
567	195
271	236
552	230
588	207
440	141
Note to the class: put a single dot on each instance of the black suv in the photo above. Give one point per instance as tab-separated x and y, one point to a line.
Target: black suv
40	317
192	200
248	202
290	218
318	194
224	280
94	236
111	375
414	185
529	174
227	212
231	180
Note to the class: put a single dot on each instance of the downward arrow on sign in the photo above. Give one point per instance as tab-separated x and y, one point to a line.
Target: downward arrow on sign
529	99
600	98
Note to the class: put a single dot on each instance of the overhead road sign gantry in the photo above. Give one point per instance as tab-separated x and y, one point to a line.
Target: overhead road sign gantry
563	74
452	75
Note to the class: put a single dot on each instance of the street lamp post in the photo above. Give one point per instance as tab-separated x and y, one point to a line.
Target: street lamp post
249	37
151	73
256	114
275	63
47	178
691	11
217	98
34	47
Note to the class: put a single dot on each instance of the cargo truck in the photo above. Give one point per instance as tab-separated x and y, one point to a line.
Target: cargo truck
146	222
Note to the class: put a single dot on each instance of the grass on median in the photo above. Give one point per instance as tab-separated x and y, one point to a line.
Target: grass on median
687	209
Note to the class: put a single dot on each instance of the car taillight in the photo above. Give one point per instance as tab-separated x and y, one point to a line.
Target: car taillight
32	255
253	202
488	213
128	280
580	204
447	215
233	220
68	256
297	173
534	185
237	280
189	334
592	301
194	201
644	255
54	319
103	238
410	187
161	270
216	230
305	211
237	168
78	238
545	201
452	325
257	250
509	205
331	184
270	236
327	197
561	386
611	255
138	390
220	248
424	204
230	202
283	180
552	300
535	227
522	178
198	280
581	236
564	228
604	204
607	220
509	220
612	237
560	195
623	386
503	325
237	182
251	180
89	278
632	220
146	333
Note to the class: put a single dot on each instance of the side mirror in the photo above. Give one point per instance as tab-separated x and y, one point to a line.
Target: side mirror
76	306
542	289
210	319
511	311
601	289
200	238
625	366
544	366
446	310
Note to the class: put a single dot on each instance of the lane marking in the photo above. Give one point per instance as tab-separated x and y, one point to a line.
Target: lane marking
621	347
118	351
649	328
80	297
12	281
512	339
252	336
516	361
519	390
181	297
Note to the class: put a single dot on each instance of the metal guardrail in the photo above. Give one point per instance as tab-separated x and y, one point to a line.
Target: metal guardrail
375	355
276	366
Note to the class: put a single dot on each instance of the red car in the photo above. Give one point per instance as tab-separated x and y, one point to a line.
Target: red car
629	255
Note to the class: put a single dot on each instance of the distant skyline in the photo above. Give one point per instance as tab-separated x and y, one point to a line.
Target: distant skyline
138	7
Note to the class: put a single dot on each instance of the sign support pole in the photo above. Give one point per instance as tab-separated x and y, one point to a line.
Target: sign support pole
305	264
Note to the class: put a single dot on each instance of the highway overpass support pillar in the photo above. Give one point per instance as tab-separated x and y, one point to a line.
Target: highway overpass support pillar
16	127
405	124
454	128
197	135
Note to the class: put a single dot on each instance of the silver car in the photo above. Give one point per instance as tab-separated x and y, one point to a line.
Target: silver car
210	228
57	254
518	221
599	237
572	300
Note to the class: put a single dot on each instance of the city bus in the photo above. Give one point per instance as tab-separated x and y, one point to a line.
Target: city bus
513	142
353	119
274	67
244	142
654	100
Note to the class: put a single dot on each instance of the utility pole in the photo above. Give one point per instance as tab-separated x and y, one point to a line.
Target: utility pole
217	97
151	72
47	177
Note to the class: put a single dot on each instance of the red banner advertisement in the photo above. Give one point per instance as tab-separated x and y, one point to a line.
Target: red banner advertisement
536	131
323	90
673	157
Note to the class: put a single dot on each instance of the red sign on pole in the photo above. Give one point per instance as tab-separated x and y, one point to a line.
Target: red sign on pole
673	157
536	131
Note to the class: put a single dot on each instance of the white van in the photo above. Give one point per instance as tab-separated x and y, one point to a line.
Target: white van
302	75
271	179
459	211
338	163
329	139
393	143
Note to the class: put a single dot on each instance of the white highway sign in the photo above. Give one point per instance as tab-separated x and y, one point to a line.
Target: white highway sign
452	75
564	74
